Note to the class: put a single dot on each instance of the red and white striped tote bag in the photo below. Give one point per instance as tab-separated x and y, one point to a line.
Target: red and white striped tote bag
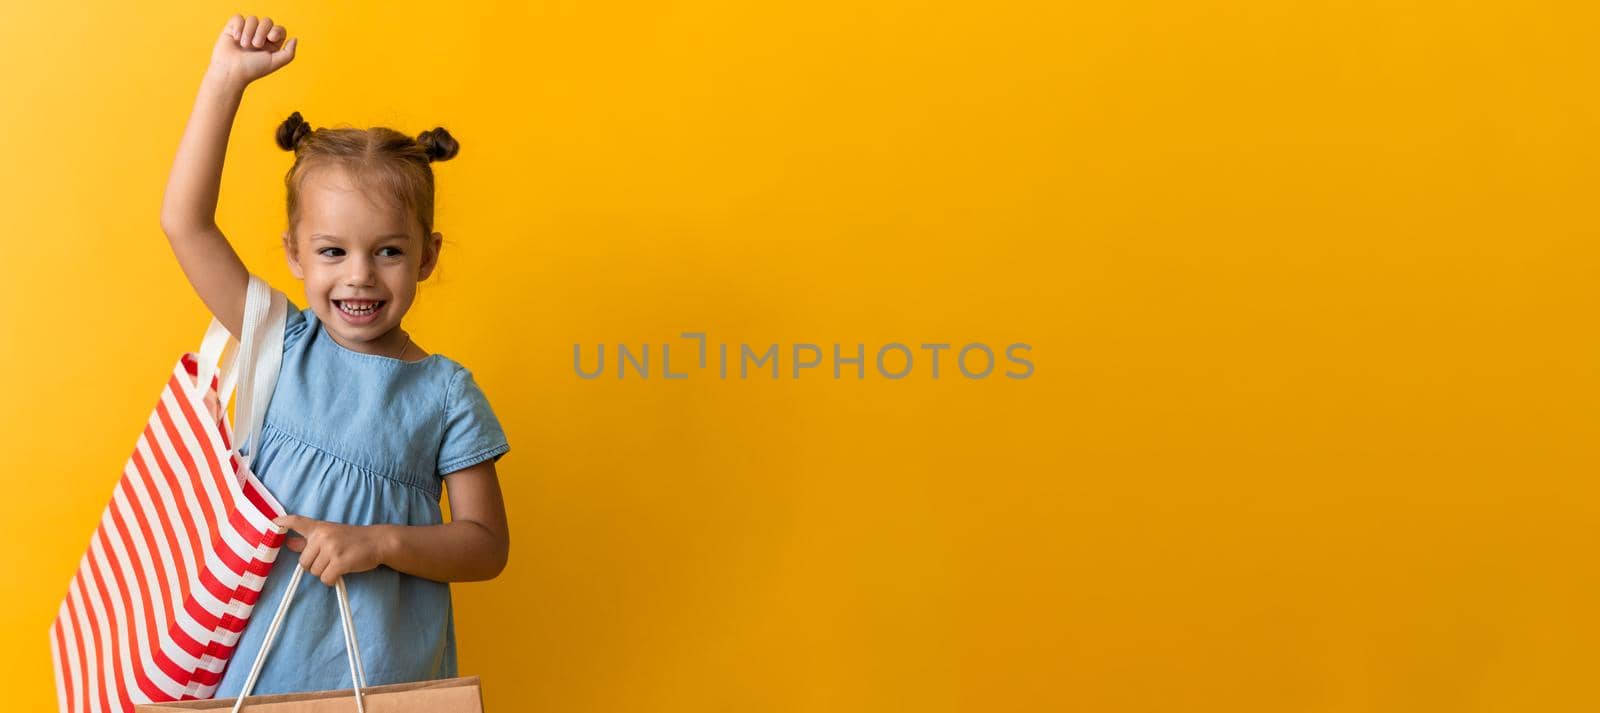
181	552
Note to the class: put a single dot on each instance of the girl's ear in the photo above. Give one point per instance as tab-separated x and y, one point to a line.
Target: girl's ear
430	255
293	256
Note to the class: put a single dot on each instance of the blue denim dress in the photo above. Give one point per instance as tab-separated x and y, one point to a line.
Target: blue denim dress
360	439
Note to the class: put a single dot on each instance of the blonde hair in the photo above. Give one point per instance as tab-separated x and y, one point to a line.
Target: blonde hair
381	160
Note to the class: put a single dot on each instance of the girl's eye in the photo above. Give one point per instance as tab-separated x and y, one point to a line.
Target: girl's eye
397	251
324	252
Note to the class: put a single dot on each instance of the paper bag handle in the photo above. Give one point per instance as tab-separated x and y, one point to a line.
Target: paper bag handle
358	673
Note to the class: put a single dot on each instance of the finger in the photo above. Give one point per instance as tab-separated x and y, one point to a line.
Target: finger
234	26
302	525
332	573
296	544
318	558
248	32
276	34
285	55
261	32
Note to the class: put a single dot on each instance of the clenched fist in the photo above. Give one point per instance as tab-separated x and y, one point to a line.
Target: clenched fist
250	49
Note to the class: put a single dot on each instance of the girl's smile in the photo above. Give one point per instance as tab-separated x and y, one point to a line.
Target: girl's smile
359	313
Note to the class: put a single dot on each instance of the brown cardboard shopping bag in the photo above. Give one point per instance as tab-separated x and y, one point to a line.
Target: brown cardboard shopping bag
450	695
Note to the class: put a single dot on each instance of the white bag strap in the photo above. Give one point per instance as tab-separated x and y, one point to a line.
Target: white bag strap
258	356
210	350
211	347
358	673
230	374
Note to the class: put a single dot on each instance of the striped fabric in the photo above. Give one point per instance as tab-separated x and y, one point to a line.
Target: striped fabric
175	566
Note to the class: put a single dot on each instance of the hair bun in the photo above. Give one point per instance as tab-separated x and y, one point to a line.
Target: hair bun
439	144
292	131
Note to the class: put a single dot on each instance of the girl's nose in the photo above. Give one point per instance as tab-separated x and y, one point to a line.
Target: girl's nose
361	272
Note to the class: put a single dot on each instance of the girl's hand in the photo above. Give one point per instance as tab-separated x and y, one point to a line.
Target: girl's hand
250	49
331	550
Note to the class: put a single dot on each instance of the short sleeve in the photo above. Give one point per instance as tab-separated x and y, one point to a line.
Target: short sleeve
294	325
472	433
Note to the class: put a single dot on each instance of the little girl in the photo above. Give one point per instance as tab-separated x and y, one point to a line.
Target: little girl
364	424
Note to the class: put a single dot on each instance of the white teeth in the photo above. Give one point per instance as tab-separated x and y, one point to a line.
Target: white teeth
359	311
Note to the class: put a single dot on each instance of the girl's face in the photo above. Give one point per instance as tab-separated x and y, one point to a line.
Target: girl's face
360	260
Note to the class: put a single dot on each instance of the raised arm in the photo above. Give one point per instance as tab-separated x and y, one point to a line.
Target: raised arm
247	49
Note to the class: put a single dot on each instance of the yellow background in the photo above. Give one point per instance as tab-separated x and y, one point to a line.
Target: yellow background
1309	289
